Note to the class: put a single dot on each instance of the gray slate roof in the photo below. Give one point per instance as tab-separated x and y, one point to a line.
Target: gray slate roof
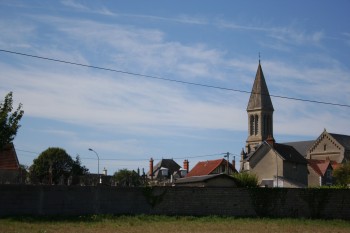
289	153
260	96
193	179
344	140
165	163
302	146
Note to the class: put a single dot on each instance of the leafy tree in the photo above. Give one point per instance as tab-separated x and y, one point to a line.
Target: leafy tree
342	175
125	177
53	165
246	179
77	168
9	121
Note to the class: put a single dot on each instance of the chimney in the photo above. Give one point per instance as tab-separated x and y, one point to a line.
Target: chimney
186	165
151	168
270	140
233	164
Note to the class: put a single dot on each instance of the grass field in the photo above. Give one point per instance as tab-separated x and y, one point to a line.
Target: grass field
163	224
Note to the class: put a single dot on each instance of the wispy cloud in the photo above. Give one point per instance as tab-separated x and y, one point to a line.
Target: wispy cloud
115	102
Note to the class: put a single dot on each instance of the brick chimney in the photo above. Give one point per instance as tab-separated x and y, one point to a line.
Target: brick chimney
151	168
270	140
186	165
233	165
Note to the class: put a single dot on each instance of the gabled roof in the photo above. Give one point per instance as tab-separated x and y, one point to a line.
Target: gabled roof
286	152
320	166
8	158
165	163
302	146
260	96
207	167
344	140
289	153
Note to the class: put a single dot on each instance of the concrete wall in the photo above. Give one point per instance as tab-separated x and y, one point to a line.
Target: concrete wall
262	202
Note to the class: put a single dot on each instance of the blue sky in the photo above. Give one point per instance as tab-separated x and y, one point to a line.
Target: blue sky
126	119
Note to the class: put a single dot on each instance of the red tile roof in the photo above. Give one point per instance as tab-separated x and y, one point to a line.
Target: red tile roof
8	158
207	167
321	166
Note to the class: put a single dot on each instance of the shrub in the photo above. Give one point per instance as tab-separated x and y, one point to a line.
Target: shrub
245	180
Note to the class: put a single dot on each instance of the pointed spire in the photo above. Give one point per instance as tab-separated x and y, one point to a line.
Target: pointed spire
260	96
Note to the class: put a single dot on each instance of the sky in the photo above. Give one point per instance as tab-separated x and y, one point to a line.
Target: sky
128	112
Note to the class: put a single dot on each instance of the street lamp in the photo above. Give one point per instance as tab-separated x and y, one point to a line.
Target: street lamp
98	161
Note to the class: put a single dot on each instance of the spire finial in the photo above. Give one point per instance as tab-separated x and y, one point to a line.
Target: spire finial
259	58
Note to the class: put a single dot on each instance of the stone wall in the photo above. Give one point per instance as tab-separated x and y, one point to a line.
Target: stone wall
259	202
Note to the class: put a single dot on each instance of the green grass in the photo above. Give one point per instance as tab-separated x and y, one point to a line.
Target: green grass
161	224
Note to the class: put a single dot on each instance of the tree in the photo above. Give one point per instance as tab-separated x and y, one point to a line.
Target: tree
9	121
246	179
54	165
125	177
342	175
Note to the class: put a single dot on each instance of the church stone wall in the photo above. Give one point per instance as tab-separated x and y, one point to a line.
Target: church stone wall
259	202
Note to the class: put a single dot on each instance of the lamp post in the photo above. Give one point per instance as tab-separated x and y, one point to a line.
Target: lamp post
98	161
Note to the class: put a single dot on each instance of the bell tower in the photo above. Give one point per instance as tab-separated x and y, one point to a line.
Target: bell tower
260	113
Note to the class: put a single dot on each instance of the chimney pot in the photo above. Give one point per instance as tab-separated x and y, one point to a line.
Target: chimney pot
151	168
186	165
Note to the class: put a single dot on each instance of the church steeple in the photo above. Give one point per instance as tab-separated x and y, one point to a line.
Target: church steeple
260	112
259	97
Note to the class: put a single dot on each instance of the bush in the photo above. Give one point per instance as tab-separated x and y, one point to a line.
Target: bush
245	180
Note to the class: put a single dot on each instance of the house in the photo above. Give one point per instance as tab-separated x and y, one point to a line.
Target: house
163	171
335	147
10	171
210	167
320	172
213	180
275	164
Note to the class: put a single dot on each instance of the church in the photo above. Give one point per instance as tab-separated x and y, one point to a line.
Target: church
295	164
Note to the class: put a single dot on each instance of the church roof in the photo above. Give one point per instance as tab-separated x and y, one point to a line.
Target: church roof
260	96
286	152
301	146
289	153
344	140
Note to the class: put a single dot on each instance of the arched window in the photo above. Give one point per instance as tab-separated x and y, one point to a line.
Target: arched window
256	124
251	125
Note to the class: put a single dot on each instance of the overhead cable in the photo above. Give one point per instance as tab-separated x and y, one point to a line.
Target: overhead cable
171	80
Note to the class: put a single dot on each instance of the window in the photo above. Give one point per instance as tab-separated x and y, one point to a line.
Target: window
324	147
256	124
251	125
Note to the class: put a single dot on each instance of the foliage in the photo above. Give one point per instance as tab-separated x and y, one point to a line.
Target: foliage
9	121
246	179
342	175
127	178
54	165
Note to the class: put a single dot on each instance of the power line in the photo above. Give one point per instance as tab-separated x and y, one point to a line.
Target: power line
131	160
171	80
